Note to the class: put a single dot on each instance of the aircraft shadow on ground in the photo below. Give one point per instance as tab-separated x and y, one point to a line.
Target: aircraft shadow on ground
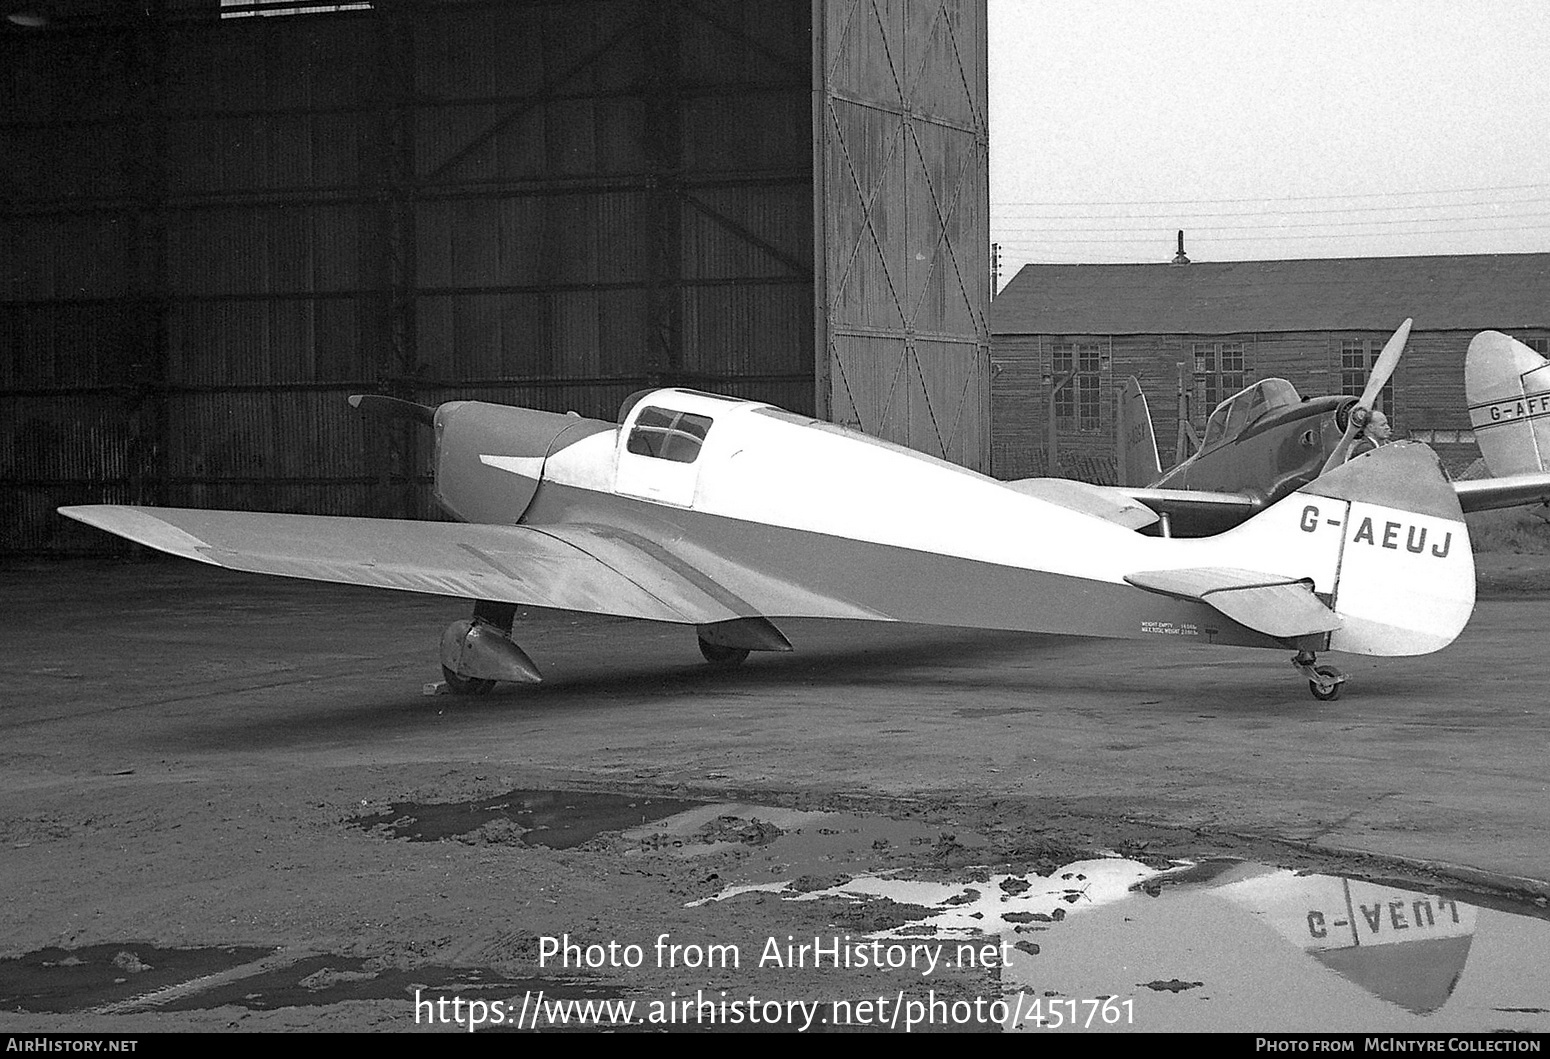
1019	673
569	690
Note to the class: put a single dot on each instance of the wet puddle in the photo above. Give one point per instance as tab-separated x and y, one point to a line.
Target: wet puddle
59	980
553	819
1106	942
321	980
130	977
1221	945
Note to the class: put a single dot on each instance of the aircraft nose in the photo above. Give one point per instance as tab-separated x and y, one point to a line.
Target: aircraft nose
1343	415
490	458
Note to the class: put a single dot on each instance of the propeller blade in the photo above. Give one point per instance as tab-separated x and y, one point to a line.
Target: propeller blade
1384	366
1337	455
381	407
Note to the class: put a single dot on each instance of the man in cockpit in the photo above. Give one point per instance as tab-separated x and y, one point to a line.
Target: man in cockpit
1374	432
1366	432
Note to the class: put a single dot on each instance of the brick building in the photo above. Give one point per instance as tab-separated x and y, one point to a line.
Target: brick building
1209	329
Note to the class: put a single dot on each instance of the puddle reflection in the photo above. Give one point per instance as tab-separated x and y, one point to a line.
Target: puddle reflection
1234	945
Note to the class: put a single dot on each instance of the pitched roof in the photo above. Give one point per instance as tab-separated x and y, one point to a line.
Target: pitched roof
1469	292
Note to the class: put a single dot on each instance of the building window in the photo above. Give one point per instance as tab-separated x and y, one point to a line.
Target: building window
1538	345
1353	366
1088	404
1218	373
1081	399
1357	356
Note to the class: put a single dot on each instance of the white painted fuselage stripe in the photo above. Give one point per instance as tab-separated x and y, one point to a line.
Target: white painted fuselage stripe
527	466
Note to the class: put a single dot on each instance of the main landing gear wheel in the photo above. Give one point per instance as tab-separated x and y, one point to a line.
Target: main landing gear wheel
1327	691
462	685
1324	682
717	655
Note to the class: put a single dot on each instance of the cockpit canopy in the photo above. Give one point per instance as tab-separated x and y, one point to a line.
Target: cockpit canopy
1249	405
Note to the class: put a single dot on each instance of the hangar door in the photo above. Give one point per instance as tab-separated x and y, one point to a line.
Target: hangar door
903	258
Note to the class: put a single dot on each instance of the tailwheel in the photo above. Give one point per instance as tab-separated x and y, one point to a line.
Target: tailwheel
461	685
717	655
1324	682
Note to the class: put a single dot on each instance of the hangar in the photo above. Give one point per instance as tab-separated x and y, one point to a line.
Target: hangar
221	218
1208	329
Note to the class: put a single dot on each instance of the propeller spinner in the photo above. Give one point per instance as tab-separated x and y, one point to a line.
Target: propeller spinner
382	407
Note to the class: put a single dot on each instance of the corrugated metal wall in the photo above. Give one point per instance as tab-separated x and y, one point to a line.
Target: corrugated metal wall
215	228
903	199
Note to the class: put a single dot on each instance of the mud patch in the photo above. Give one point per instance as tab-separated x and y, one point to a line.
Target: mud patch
553	819
843	838
717	827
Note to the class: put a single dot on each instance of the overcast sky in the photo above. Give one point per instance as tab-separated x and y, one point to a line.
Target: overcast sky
1299	128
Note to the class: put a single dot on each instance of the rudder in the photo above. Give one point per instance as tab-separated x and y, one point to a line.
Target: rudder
1507	386
1384	542
1405	579
1137	441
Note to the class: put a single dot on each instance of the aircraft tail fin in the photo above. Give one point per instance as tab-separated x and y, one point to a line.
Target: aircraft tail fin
1137	442
1507	385
1383	541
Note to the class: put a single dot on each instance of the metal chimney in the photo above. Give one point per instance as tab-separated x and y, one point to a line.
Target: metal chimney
1180	258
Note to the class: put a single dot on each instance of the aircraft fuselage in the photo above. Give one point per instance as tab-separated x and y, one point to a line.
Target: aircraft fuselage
768	513
1271	458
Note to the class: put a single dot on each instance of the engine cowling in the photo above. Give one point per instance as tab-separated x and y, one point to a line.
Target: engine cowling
490	457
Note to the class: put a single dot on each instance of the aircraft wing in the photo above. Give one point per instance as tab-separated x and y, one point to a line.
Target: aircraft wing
1103	501
1198	506
598	569
1277	606
1513	490
1193	512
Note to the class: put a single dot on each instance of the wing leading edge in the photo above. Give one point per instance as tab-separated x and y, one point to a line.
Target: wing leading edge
565	567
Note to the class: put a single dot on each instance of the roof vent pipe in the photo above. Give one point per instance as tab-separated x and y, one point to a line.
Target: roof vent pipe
1179	258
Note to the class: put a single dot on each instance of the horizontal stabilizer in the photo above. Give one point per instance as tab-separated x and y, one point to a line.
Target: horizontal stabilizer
1103	501
1277	606
1513	490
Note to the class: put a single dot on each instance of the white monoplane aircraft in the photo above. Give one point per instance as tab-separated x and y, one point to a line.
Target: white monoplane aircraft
729	515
